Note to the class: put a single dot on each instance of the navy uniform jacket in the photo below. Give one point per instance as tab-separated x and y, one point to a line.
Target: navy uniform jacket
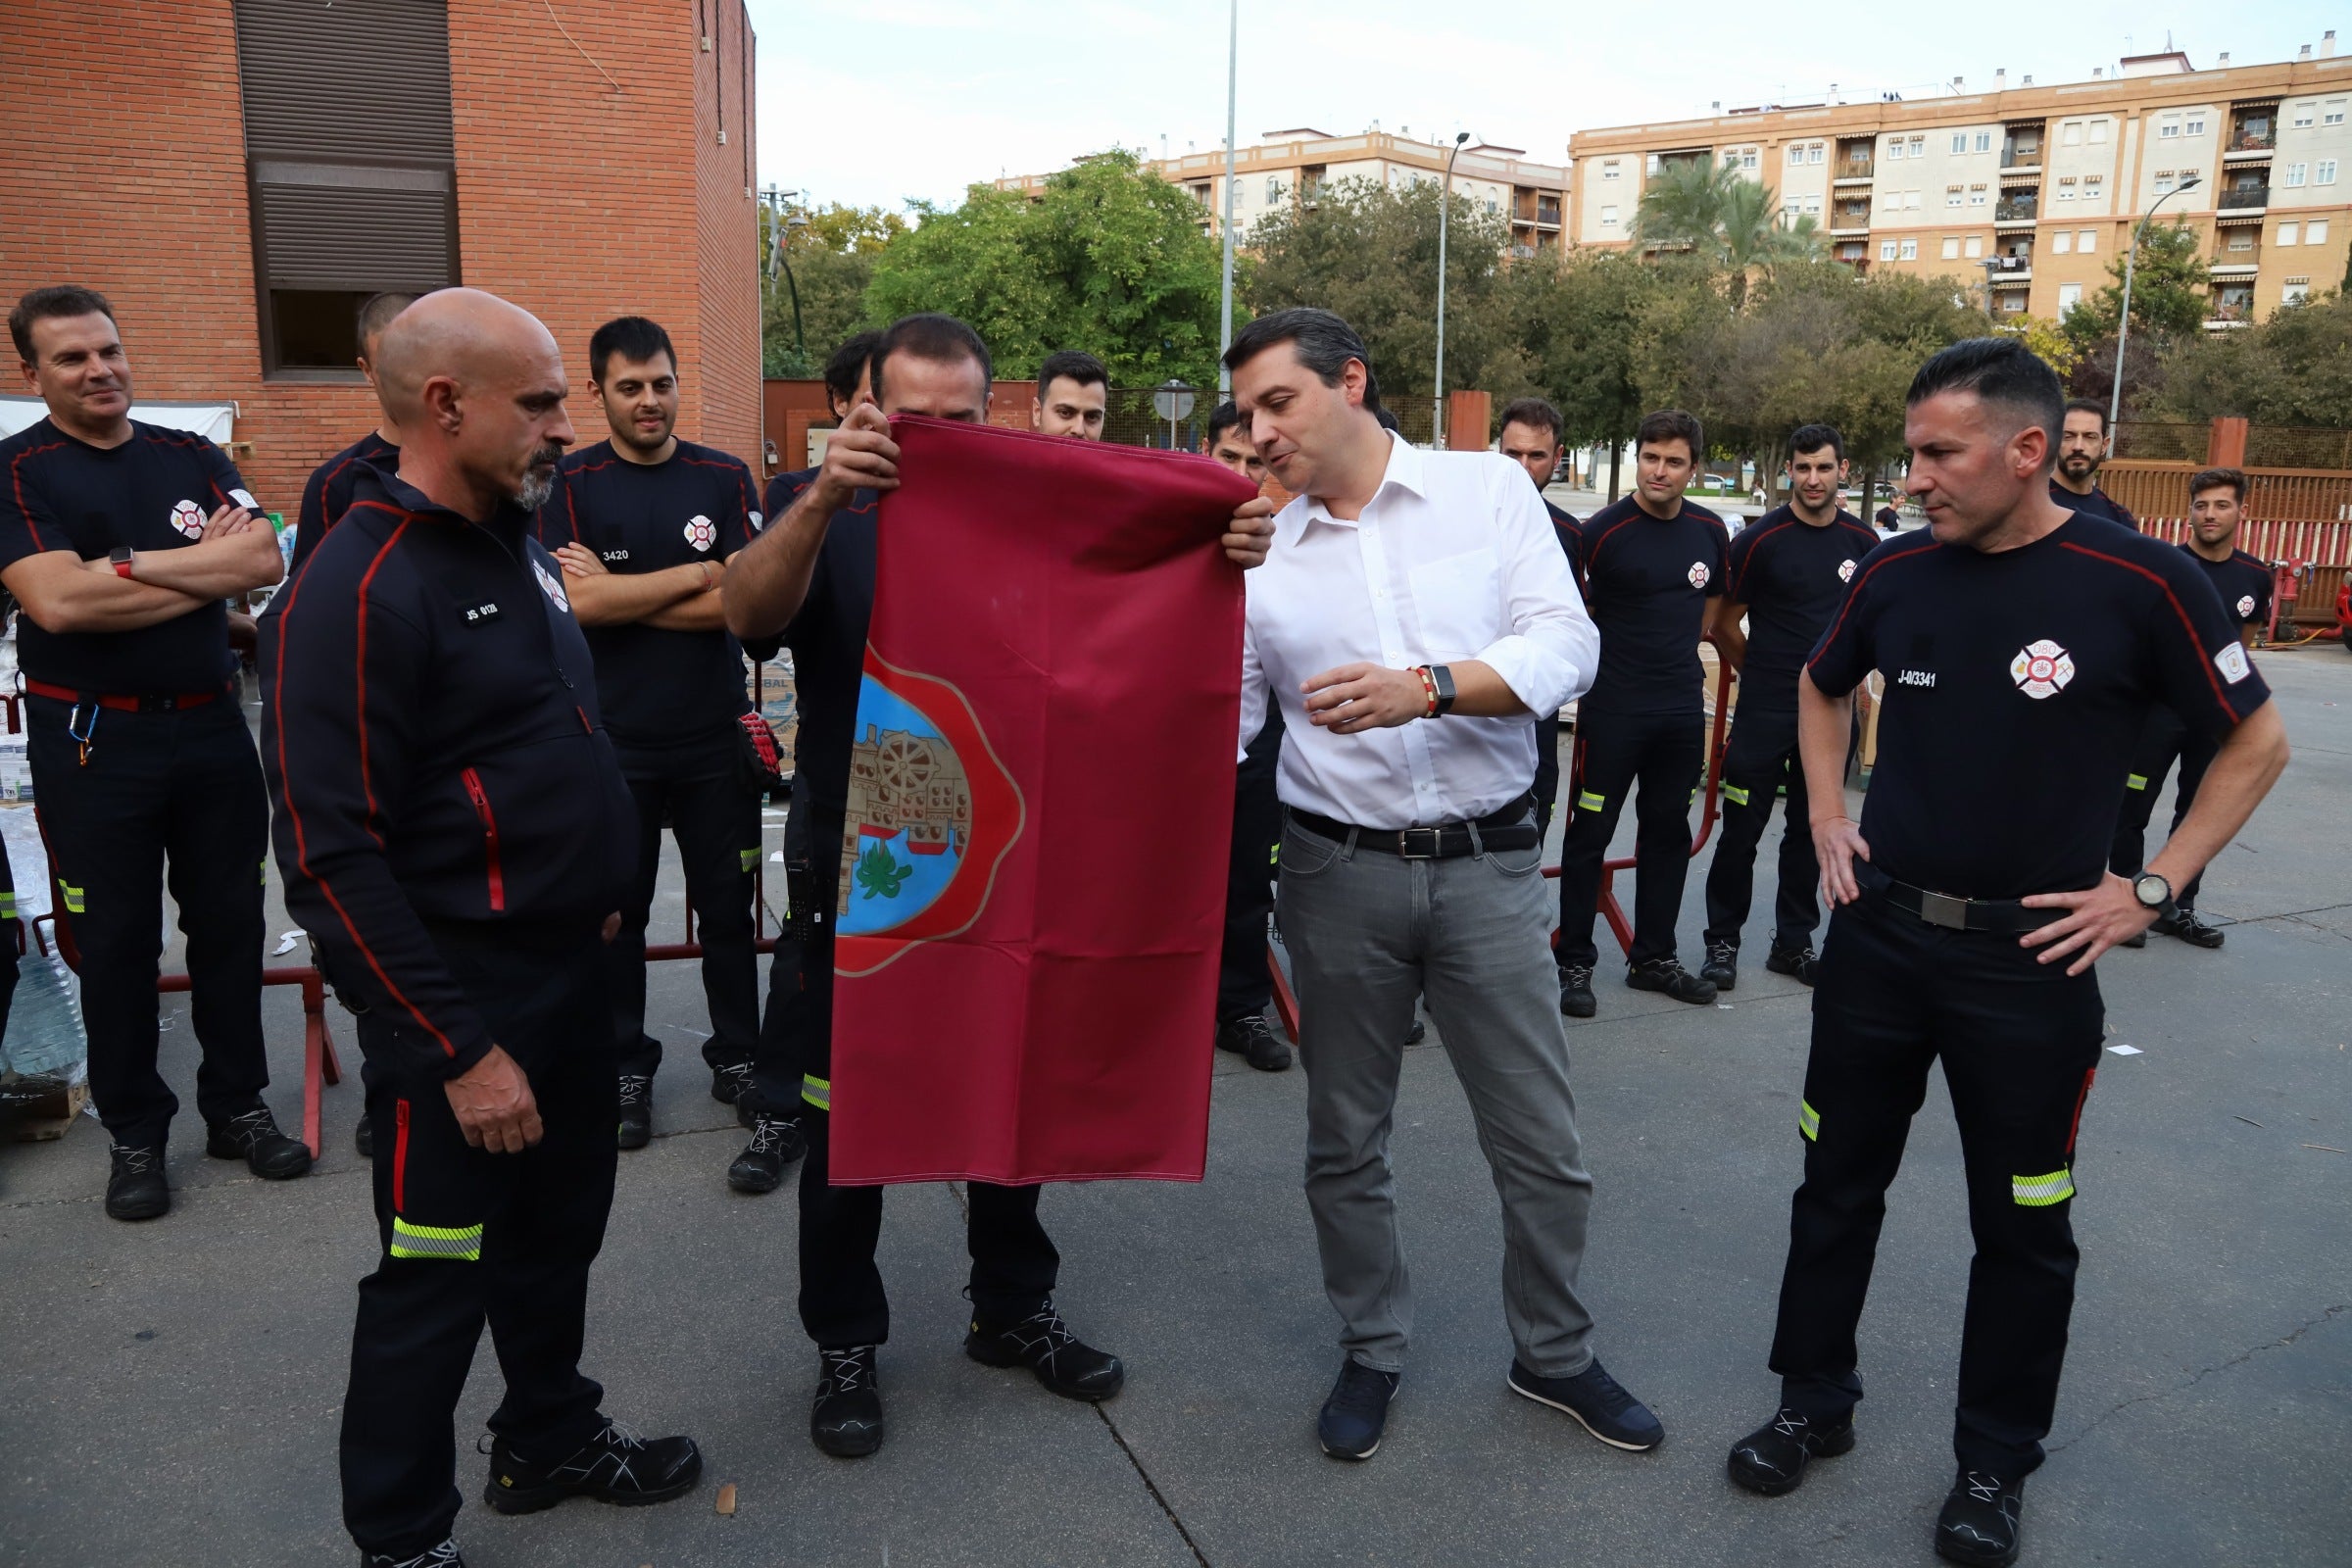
434	753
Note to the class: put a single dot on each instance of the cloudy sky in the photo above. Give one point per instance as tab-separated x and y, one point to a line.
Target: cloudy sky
887	100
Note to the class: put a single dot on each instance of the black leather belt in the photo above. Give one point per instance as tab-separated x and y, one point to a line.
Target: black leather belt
1510	828
1953	914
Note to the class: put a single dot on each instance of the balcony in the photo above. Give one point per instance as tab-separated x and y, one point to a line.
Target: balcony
2239	261
1852	171
2004	271
2016	210
1850	230
2251	136
2248	199
2021	159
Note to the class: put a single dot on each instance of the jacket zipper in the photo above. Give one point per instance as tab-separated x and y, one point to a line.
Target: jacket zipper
482	808
400	1153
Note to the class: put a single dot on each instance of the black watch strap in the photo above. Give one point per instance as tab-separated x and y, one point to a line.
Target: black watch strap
1442	679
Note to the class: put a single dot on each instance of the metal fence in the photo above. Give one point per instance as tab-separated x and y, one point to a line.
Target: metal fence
2161	443
2282	446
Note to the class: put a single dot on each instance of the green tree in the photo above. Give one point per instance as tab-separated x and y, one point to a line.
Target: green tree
2294	368
828	260
1575	315
2171	289
1112	260
1370	253
1716	214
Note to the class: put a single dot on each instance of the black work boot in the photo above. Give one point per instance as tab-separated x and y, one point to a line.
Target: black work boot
252	1137
2185	923
363	1137
1978	1524
1575	990
616	1465
845	1421
1722	967
776	1142
1799	962
730	1081
1772	1459
135	1183
1251	1037
445	1556
636	1109
1668	976
1044	1344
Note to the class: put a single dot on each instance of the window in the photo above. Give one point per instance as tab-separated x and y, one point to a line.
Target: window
2069	295
2070	135
1609	217
1984	141
2242	239
2295	293
1654	166
1975	246
2302	115
1919	146
1951	247
1731	158
2066	190
1792	204
1813	154
2197	126
1796	155
2326	172
1976	195
2314	233
2164	184
2087	241
1886	249
1813	205
1274	192
1951	195
1748	159
2295	174
2167	128
1911	200
2098	133
350	154
1910	250
2287	232
2334	114
2061	242
1894	147
1959	141
1608	171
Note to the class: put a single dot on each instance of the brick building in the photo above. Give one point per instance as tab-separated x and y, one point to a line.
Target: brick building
235	176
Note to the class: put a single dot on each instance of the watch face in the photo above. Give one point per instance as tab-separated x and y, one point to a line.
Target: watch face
2152	890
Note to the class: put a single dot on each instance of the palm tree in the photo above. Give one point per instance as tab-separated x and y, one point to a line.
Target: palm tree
1728	220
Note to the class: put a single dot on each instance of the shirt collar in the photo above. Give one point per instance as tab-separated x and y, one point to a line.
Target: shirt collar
1406	469
508	522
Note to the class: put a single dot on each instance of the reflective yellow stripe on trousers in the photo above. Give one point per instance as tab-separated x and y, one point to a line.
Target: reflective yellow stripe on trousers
459	1243
818	1092
2040	1191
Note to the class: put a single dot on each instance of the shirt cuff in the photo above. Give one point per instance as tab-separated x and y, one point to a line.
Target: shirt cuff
1541	680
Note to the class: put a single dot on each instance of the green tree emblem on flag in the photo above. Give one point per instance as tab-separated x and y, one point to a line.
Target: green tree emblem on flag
879	875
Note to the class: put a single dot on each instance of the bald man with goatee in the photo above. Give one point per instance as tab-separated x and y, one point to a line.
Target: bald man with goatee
453	830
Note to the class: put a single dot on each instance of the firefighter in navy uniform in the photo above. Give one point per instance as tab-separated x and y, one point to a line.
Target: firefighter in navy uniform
1789	568
2022	647
2075	478
778	1065
810	576
644	523
120	541
455	830
327	494
2216	506
1652	568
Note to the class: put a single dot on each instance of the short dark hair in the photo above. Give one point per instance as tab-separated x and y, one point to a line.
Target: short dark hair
846	366
1997	370
57	300
2205	479
377	313
1322	340
932	335
1225	417
1536	413
633	338
1072	364
1672	424
2087	405
1813	437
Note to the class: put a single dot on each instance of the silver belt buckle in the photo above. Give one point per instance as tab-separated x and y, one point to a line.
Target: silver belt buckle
1405	842
1942	909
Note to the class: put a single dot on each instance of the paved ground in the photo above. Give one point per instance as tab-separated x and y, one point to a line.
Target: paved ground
168	1393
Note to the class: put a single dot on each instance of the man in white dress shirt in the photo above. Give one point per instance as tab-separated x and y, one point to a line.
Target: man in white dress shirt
1413	611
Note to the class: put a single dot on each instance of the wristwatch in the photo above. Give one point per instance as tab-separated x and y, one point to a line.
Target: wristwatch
120	556
2153	892
1442	678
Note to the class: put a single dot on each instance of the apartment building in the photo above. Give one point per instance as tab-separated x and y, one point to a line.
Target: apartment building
2031	191
1290	167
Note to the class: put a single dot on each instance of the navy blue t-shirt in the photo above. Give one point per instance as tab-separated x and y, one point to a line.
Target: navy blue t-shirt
2244	584
2017	684
1790	575
329	494
1647	582
2097	503
827	639
152	493
669	698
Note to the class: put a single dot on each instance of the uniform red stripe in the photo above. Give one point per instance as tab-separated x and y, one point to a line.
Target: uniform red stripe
1855	592
360	661
2188	627
15	473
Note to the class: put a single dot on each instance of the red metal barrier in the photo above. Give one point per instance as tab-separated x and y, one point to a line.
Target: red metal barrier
1286	1000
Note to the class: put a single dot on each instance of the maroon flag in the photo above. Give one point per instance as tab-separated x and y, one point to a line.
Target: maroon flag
1041	791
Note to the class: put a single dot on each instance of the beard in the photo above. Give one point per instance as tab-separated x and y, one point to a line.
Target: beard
539	481
2078	466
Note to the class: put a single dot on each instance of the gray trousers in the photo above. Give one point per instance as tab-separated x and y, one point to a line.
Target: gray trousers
1368	932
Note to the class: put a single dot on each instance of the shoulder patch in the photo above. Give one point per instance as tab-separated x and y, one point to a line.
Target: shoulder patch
2232	662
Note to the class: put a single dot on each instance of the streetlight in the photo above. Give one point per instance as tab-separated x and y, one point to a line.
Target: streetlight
1233	77
1436	400
2123	325
779	230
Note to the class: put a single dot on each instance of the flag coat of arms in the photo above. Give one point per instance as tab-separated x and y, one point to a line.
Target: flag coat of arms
1032	881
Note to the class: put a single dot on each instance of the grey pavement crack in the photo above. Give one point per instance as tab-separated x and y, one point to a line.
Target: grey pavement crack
2201	1374
1152	1486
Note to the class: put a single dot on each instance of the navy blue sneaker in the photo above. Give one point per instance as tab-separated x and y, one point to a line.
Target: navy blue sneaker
1599	1403
1358	1411
1978	1524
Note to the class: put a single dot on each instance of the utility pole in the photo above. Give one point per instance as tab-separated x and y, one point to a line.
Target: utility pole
1233	78
1437	409
2123	323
